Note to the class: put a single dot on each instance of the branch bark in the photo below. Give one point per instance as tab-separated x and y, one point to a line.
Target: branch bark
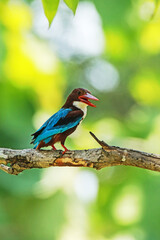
16	161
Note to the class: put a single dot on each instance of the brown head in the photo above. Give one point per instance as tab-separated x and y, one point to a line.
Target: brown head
80	95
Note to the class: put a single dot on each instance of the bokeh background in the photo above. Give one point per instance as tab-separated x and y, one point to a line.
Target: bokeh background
112	48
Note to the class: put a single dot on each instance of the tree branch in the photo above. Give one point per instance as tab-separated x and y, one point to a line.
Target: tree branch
16	161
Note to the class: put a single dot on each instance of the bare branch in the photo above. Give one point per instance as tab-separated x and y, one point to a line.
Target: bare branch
16	161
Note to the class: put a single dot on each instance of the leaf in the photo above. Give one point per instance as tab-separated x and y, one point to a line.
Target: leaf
72	4
50	8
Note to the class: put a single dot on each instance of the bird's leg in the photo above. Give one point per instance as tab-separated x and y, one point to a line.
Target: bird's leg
65	149
53	147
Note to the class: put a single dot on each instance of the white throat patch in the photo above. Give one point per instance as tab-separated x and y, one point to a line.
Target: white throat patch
82	106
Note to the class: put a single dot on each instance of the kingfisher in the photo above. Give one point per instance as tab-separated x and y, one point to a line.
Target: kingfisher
64	122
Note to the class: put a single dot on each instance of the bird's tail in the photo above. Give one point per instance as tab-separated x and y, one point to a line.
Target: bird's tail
36	145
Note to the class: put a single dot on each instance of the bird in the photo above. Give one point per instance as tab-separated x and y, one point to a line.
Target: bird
64	122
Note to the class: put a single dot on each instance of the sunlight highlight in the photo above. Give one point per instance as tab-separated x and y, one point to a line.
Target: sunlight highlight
16	16
111	126
86	186
117	45
145	88
54	179
147	9
149	39
127	209
105	72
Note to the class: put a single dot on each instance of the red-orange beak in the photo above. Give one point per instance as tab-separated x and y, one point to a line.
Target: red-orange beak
85	99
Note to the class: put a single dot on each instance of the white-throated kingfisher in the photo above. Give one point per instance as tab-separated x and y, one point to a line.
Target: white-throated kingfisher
65	121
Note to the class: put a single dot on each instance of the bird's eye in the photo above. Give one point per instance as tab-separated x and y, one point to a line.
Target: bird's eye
79	93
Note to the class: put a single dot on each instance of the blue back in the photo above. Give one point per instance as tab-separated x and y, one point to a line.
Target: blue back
48	129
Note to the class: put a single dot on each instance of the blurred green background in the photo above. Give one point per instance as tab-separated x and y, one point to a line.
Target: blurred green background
112	48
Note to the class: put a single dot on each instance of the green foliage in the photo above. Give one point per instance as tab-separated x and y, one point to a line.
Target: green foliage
72	4
50	9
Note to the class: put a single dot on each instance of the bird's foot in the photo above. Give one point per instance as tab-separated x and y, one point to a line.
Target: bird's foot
54	147
65	149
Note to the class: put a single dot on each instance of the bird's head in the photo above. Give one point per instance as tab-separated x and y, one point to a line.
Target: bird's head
82	96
